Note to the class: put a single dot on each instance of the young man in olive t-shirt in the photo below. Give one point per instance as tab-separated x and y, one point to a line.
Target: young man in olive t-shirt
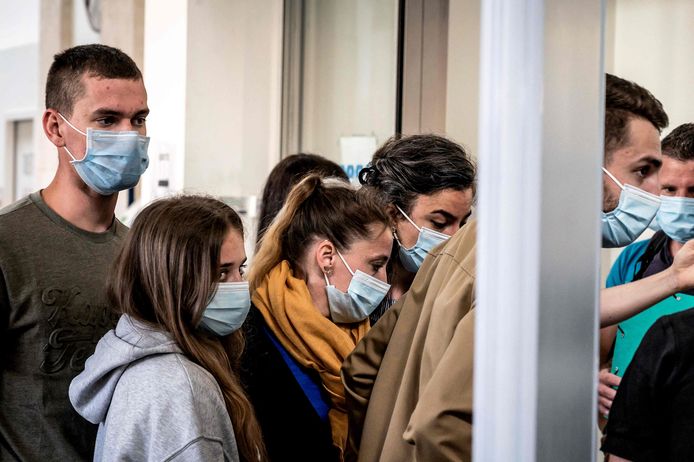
56	247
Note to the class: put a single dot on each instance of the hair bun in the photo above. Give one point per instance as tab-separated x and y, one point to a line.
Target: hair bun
367	175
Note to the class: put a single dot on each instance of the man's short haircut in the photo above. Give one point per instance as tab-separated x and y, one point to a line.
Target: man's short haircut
679	144
625	100
64	83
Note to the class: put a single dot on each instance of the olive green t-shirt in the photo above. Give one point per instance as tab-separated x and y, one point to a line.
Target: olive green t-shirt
53	311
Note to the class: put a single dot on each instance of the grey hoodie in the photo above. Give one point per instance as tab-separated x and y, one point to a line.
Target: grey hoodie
150	401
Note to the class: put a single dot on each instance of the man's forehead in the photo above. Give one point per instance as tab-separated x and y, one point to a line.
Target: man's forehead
630	156
677	167
93	84
116	94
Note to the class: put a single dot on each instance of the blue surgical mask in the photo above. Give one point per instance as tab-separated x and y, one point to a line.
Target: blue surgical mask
113	161
228	308
676	217
635	211
363	295
412	258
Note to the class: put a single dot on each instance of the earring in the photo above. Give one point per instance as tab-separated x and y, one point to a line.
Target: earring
327	271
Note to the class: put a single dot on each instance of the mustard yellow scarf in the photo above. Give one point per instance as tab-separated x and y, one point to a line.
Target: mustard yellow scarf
313	340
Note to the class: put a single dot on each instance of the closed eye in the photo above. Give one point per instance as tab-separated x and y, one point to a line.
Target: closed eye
378	264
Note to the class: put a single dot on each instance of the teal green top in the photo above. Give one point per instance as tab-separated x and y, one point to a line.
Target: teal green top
631	331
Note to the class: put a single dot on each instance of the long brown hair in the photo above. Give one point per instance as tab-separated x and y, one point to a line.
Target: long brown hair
166	274
317	207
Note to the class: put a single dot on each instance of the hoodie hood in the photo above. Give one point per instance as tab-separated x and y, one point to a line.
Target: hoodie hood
132	340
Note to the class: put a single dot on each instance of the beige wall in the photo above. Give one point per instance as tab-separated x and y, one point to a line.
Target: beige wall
233	95
462	100
349	72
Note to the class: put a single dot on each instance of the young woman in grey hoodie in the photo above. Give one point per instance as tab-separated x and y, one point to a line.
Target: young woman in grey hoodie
162	386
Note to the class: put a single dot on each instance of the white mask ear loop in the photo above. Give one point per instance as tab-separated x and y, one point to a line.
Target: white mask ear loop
408	218
343	261
613	178
78	131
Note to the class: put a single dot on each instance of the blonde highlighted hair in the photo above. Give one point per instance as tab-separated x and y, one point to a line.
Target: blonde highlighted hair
316	207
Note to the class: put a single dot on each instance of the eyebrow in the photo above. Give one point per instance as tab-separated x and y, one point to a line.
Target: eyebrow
379	257
446	214
231	263
652	160
105	111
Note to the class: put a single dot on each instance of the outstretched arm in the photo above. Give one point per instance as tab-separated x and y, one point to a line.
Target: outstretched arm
624	301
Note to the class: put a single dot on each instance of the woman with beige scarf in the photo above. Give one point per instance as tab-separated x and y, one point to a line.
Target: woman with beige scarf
319	272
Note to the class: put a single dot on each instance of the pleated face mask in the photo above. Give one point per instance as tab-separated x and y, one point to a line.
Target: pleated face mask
363	295
635	211
228	308
413	257
676	217
113	161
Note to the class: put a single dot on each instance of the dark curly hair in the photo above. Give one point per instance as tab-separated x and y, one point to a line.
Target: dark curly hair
408	166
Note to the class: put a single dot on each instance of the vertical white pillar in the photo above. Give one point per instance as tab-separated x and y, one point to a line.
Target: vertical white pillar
540	151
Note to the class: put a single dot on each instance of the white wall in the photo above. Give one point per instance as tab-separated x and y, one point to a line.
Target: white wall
19	26
82	32
18	104
213	76
165	58
654	46
19	23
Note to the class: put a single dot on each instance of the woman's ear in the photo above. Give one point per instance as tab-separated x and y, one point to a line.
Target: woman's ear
392	213
395	218
325	256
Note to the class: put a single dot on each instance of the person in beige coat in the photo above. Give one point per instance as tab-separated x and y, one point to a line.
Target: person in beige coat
408	383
